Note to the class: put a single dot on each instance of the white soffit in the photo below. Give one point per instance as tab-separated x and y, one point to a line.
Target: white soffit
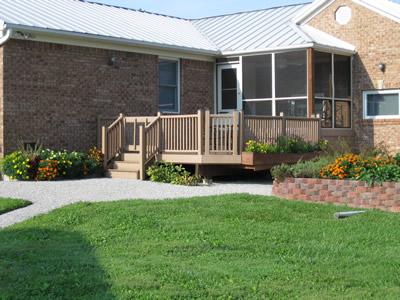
98	20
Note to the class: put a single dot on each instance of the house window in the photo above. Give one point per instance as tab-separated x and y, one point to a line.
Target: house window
168	86
381	104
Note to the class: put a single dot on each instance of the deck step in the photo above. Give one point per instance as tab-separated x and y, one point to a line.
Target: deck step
113	173
127	165
130	156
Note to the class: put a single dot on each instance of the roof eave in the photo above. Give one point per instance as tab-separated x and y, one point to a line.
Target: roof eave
317	5
114	39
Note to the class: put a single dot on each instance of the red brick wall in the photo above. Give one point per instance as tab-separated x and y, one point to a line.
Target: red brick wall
377	39
1	104
55	92
197	86
340	192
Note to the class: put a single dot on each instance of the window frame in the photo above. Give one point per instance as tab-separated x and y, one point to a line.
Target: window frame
379	92
178	84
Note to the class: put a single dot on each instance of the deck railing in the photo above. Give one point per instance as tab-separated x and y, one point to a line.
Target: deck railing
199	134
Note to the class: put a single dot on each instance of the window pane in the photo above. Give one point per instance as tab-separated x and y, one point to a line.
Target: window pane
342	77
324	109
167	72
291	74
257	77
167	99
293	108
258	108
229	99
342	114
229	80
323	74
382	104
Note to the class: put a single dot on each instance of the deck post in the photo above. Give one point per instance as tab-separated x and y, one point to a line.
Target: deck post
207	133
283	124
241	131
142	152
200	131
235	124
104	145
122	133
319	127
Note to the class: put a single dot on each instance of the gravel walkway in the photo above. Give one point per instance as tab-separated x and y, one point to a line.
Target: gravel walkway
47	196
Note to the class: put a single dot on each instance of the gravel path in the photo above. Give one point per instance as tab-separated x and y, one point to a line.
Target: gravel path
47	196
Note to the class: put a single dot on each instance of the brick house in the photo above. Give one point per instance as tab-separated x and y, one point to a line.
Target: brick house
63	63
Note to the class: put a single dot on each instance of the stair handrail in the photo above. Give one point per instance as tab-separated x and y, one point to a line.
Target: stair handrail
149	143
113	139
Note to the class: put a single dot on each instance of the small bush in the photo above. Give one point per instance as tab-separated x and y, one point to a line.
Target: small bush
51	165
302	169
284	144
170	173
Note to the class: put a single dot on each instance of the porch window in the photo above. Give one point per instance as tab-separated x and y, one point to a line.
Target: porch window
168	86
257	77
381	104
258	108
332	84
293	108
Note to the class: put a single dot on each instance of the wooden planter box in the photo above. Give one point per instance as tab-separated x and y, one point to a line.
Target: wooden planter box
260	161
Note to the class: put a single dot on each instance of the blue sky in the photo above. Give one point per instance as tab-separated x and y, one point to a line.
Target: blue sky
200	8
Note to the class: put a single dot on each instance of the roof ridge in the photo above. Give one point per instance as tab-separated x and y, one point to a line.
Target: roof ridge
132	9
250	11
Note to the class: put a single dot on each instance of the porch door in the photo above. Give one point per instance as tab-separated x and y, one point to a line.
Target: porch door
229	93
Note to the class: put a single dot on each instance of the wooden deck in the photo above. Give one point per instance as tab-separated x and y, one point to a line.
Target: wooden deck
200	139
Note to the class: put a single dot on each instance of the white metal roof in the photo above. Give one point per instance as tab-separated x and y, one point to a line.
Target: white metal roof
261	29
246	32
93	19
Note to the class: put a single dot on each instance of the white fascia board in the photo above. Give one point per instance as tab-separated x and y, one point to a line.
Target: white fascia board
267	50
311	10
382	7
334	50
111	43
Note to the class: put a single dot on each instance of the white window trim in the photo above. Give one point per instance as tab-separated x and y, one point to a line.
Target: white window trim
379	92
178	84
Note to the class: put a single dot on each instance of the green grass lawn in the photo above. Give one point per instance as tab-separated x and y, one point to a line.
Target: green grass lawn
7	204
231	246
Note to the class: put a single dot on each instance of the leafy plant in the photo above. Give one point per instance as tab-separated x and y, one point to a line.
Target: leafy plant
378	174
302	169
170	173
284	144
28	151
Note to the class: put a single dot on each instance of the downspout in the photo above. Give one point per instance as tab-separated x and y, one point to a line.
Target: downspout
5	37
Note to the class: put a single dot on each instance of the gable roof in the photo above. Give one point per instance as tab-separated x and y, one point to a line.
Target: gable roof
254	30
89	19
247	32
386	8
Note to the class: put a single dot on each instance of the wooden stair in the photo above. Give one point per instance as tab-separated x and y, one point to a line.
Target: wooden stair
127	168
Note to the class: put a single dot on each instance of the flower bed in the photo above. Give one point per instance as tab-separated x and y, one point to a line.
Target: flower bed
340	192
258	160
43	165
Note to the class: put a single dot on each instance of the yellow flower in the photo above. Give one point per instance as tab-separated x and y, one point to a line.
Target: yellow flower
27	177
27	159
11	177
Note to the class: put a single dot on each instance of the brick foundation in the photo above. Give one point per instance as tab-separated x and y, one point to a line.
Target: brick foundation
340	192
55	92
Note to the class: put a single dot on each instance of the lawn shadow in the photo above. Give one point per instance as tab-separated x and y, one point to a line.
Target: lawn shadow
49	264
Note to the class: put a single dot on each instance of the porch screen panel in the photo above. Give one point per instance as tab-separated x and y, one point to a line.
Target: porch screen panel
323	107
291	74
292	108
229	89
323	74
257	77
258	108
342	114
342	77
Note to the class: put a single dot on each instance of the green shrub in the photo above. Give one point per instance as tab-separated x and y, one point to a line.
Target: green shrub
378	174
302	169
50	165
284	144
170	173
